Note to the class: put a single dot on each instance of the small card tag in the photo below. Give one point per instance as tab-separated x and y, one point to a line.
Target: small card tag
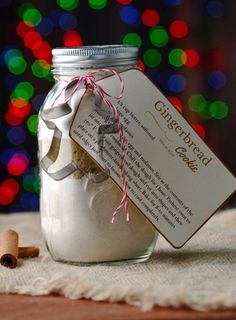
174	178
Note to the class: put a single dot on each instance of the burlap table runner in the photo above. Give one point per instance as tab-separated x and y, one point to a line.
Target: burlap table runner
201	275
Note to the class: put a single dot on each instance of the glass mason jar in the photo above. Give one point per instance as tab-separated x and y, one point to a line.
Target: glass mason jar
75	211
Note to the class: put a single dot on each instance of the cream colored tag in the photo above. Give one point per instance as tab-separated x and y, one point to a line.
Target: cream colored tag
174	178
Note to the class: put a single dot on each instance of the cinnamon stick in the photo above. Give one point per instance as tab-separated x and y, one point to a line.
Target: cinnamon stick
28	252
9	248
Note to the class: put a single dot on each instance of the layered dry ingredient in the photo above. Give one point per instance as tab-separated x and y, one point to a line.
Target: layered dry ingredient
83	160
76	218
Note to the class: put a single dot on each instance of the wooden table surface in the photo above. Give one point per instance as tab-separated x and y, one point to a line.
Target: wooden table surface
19	307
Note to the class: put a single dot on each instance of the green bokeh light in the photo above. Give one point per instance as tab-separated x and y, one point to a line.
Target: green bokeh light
11	53
158	36
97	4
177	57
24	90
40	69
197	103
32	17
23	8
31	183
132	39
219	110
152	58
32	124
68	4
49	77
17	65
205	114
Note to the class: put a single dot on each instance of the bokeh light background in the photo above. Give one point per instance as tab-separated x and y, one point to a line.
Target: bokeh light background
187	48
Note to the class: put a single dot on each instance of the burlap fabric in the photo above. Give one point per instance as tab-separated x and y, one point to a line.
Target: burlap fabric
201	275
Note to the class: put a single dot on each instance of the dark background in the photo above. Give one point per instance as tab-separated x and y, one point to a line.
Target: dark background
188	49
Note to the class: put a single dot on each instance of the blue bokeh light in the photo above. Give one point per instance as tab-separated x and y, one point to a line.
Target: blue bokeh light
16	135
173	3
215	8
68	21
129	14
176	83
37	101
45	27
55	16
29	201
6	155
7	54
216	79
11	53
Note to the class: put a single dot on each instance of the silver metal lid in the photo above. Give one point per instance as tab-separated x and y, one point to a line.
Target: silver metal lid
95	56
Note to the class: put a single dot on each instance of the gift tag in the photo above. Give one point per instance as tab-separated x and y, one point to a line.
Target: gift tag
173	177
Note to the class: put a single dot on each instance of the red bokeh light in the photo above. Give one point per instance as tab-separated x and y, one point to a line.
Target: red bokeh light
200	130
141	65
22	29
12	119
20	111
32	39
192	58
124	1
72	39
17	164
150	17
178	29
12	184
6	195
42	51
176	103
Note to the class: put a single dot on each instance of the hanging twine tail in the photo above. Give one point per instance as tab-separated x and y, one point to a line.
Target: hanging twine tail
90	79
102	93
124	200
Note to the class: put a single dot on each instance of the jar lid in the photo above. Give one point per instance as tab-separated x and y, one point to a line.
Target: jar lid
95	56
